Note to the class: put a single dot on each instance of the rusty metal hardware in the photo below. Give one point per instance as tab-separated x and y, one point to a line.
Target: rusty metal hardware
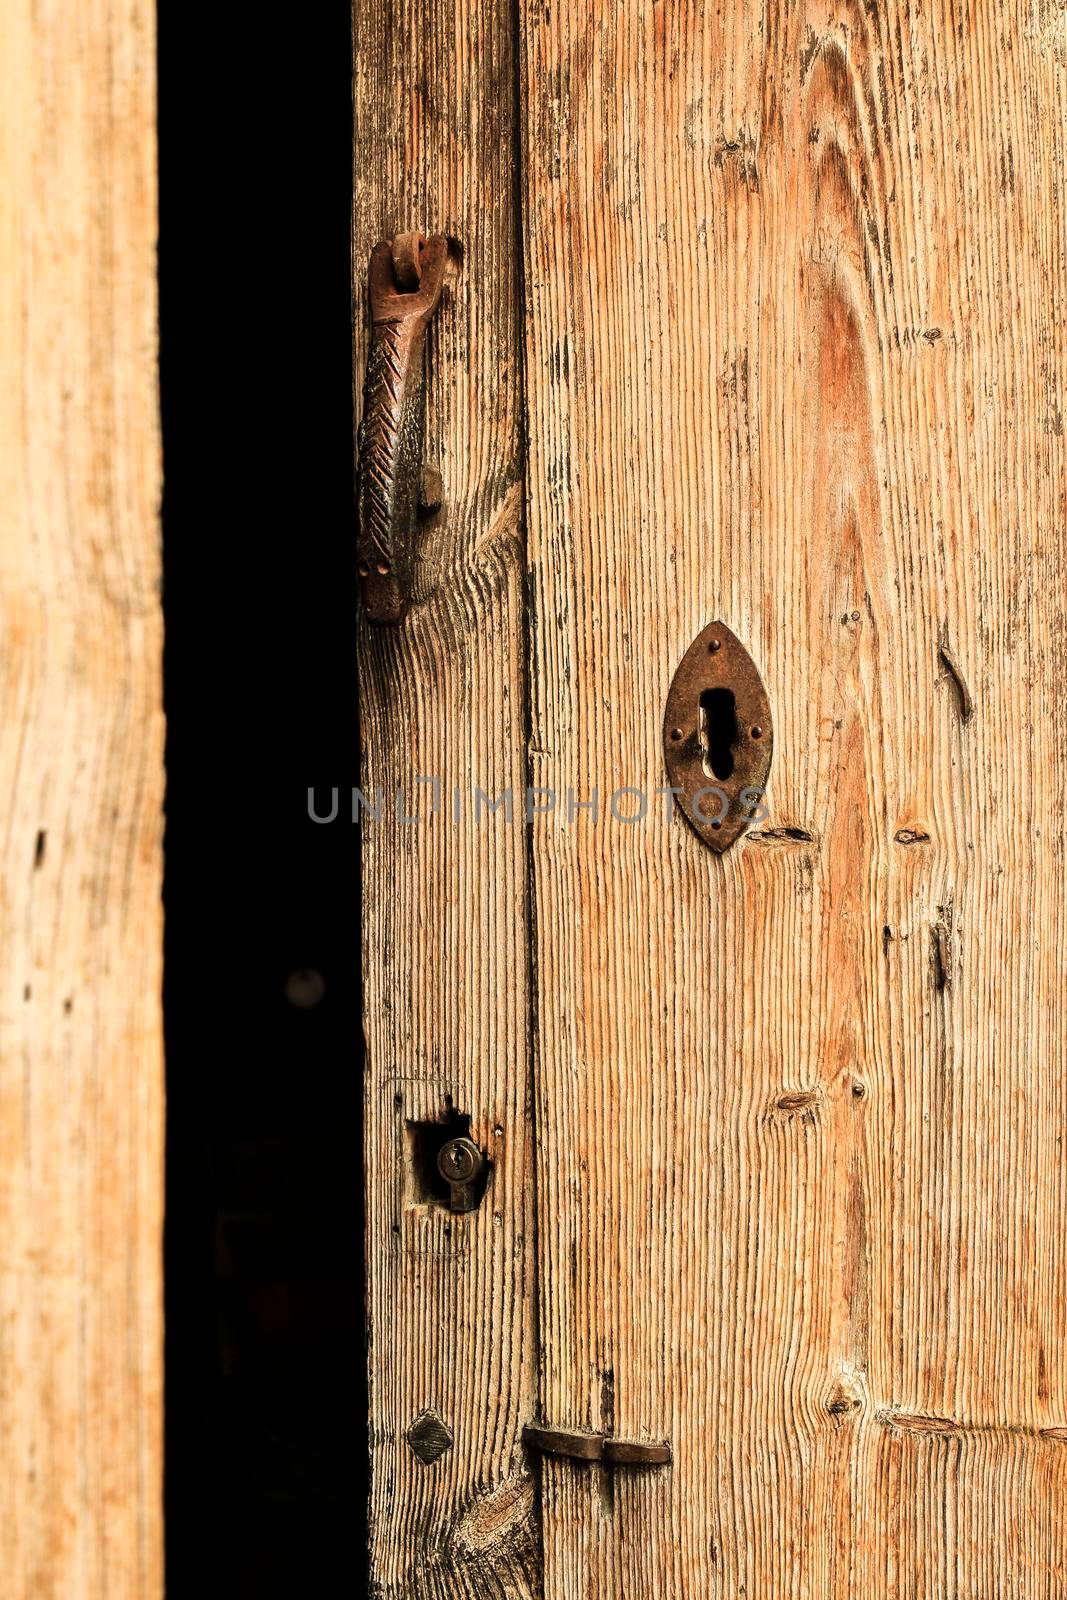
406	276
596	1447
429	1437
717	737
461	1164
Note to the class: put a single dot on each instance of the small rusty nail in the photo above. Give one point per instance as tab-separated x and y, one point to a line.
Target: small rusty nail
383	568
716	644
676	733
757	732
364	570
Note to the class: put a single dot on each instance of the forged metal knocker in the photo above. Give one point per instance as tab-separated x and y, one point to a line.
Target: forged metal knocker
405	280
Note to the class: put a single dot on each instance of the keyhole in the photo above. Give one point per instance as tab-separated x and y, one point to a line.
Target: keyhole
718	731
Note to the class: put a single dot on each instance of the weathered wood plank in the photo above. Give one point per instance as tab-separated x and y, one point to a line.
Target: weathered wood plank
442	697
795	359
81	772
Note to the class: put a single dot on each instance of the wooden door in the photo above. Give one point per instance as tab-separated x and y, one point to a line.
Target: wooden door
81	773
759	319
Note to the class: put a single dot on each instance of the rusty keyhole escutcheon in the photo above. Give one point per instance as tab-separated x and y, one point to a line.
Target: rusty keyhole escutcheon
717	737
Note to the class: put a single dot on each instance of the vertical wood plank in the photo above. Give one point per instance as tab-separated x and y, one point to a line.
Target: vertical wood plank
795	359
442	698
81	772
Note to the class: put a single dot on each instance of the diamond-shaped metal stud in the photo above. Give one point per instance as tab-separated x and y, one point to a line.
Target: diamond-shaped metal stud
429	1436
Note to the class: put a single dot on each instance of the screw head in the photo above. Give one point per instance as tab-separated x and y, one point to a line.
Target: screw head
459	1160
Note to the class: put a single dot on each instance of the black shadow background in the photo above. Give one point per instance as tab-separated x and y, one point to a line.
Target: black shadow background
265	1409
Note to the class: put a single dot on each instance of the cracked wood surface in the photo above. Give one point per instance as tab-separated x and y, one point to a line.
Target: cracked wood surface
451	1303
794	333
81	768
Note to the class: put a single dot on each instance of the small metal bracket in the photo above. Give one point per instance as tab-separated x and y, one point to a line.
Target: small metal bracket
596	1447
717	736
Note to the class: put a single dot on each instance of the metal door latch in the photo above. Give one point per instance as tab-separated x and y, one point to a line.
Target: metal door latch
717	738
596	1447
405	279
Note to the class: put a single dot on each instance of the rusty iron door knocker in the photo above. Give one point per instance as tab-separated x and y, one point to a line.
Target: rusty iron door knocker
405	280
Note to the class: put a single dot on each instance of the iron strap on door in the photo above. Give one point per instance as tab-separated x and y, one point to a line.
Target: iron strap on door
612	1452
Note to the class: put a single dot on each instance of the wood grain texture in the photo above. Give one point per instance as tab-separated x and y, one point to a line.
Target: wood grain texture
451	1305
81	772
795	359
